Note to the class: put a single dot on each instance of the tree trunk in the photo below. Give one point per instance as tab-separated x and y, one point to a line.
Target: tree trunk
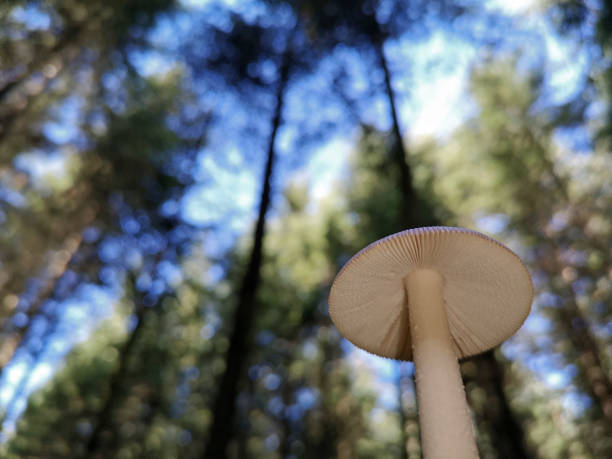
409	212
36	356
220	432
11	336
506	431
115	390
575	326
10	114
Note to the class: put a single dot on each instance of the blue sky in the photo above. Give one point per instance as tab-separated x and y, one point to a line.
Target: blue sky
433	101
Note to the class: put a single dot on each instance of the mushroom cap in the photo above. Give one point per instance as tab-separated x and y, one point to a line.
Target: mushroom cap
487	290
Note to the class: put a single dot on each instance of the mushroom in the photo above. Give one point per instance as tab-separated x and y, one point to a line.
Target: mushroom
433	295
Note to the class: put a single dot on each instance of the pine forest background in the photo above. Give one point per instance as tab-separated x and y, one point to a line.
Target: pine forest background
181	180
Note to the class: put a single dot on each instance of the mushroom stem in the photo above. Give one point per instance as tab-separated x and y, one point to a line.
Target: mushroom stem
444	418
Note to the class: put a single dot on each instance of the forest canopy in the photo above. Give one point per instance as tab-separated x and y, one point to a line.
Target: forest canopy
181	181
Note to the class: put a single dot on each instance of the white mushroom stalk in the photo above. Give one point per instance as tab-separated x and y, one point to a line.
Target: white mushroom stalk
433	295
444	418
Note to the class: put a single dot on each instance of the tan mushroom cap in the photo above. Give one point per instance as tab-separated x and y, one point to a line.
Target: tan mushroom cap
487	290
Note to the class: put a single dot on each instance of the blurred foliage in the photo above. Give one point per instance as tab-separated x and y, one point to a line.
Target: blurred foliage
539	191
110	116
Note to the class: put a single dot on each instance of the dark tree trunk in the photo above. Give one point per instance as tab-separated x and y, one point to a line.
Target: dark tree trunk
115	390
409	215
224	408
506	431
325	443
